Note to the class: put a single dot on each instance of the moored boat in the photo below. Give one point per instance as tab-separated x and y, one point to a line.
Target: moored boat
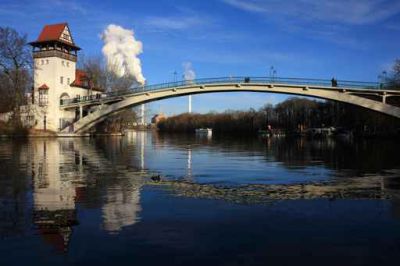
204	131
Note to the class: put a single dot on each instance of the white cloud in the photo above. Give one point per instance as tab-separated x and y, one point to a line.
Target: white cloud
173	23
252	6
255	56
393	26
354	12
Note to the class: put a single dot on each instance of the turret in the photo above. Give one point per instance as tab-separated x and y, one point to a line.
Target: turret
55	56
55	41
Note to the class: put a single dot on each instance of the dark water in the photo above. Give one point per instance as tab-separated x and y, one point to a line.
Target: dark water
93	202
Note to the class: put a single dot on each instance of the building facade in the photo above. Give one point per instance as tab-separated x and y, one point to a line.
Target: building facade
56	78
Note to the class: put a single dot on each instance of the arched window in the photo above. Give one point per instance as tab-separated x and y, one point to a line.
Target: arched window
64	97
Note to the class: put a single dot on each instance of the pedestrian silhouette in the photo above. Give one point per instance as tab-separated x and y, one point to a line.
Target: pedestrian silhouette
334	82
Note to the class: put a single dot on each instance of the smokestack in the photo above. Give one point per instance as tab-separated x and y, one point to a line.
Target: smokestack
121	51
189	75
142	120
190	104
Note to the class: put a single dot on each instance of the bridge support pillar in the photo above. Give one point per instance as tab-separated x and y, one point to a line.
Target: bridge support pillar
384	98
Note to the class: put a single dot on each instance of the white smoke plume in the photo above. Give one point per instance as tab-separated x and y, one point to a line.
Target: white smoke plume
121	51
188	72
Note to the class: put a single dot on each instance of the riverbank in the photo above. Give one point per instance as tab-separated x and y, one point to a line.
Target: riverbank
294	116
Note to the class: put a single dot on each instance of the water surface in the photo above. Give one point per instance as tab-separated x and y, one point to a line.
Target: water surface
93	201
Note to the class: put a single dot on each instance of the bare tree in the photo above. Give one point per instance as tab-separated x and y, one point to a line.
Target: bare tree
119	84
395	79
15	70
101	77
96	75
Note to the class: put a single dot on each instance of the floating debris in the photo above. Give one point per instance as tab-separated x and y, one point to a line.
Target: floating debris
356	188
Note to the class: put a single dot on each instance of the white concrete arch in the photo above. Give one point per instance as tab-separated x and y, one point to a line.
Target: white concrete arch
344	95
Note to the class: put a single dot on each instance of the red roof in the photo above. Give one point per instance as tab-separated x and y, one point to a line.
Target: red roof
43	87
51	32
55	238
81	79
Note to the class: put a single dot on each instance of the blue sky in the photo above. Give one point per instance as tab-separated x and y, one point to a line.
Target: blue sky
348	39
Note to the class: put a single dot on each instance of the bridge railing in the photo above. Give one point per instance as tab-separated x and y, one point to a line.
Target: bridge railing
221	80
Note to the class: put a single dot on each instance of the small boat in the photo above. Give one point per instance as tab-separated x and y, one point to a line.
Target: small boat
204	131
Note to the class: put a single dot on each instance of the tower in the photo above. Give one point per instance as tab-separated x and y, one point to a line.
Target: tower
55	56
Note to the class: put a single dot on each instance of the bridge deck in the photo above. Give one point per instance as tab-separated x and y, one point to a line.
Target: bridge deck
352	86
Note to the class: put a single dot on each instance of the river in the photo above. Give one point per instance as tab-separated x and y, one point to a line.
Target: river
150	199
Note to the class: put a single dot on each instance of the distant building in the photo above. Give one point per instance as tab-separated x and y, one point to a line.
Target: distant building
157	118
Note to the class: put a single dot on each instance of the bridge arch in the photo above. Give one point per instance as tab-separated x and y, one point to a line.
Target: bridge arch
344	95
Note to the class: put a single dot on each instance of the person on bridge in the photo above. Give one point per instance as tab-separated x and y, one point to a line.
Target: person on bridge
334	82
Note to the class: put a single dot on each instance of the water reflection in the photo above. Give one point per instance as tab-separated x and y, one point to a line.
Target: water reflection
121	207
48	182
189	163
54	211
66	172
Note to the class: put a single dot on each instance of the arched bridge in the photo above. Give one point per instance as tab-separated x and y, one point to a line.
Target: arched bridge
368	95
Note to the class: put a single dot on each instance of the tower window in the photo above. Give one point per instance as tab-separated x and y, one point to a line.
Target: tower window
61	80
68	81
62	63
67	64
47	61
42	62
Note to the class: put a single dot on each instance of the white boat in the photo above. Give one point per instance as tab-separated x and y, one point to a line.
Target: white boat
204	131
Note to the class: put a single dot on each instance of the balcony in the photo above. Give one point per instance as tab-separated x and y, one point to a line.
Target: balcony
54	53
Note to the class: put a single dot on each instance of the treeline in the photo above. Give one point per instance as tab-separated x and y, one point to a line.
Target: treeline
290	117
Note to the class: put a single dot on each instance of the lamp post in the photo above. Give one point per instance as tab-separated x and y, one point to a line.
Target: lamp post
271	70
382	78
272	73
190	104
